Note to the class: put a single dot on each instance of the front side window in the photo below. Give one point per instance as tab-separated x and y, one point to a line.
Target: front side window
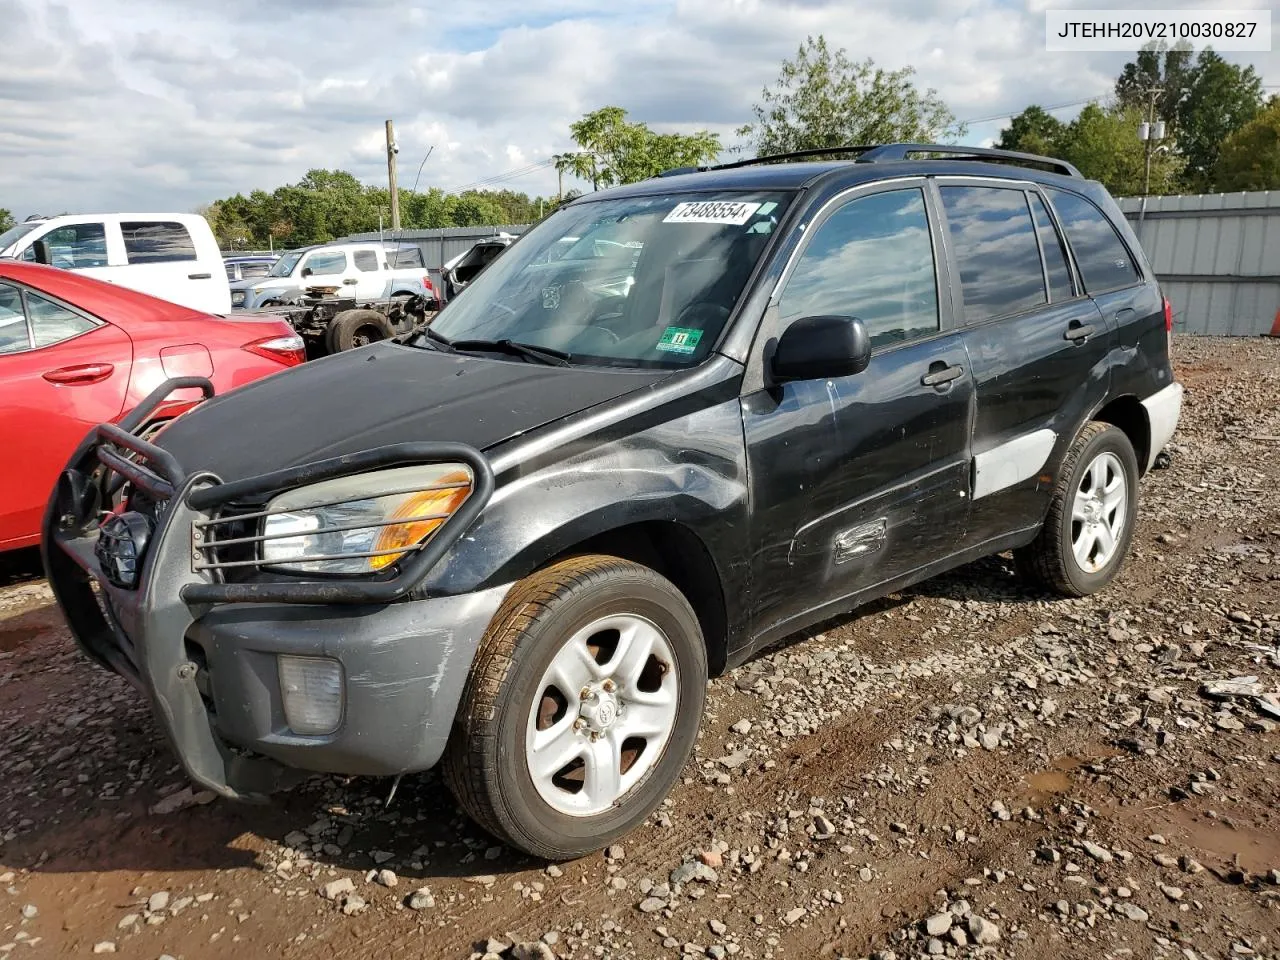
13	322
284	266
74	247
1104	260
157	242
871	259
996	250
366	261
326	264
645	281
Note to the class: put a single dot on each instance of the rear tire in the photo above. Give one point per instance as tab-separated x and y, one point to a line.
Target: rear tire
357	328
1085	538
548	770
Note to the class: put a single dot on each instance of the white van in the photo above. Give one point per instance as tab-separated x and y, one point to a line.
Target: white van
173	256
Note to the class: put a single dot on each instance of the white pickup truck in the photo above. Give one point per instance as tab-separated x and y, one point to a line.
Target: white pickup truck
365	272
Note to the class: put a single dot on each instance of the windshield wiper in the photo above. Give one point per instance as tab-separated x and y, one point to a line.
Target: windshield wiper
439	340
547	355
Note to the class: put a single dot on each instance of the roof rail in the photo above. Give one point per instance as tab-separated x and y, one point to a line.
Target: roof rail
879	153
904	151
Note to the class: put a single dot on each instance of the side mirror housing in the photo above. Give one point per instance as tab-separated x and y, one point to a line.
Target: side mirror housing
306	271
40	248
816	348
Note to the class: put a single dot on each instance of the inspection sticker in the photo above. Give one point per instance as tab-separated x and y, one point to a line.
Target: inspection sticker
735	212
679	340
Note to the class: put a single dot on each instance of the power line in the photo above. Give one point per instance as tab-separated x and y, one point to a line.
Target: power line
508	175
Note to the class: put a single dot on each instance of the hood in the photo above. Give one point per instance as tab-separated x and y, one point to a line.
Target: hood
381	394
248	283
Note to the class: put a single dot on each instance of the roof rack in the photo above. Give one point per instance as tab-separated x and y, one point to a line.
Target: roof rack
884	152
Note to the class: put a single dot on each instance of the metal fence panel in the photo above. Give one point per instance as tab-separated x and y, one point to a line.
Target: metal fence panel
1218	257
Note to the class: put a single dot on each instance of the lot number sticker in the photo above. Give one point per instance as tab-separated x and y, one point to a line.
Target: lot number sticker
679	340
734	212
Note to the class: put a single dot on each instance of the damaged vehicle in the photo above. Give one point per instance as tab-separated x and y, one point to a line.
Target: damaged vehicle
517	541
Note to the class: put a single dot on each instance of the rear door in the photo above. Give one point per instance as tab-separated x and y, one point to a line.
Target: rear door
370	274
161	259
1037	343
861	480
61	373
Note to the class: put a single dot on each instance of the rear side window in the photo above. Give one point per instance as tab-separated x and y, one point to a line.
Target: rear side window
366	260
996	251
157	242
326	264
1103	258
13	322
1055	260
74	247
248	270
871	259
52	322
406	259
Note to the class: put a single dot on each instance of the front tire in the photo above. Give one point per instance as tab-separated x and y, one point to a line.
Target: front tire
581	708
1085	538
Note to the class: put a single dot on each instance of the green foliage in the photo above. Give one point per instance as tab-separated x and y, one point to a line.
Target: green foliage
6	220
1104	144
1156	66
1220	100
824	99
327	204
1250	157
1034	130
615	151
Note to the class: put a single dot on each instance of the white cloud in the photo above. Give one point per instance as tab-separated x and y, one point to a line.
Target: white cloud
115	104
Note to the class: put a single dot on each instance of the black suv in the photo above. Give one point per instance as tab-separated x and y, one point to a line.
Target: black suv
673	422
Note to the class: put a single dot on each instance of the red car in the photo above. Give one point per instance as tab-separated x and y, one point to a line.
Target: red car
76	352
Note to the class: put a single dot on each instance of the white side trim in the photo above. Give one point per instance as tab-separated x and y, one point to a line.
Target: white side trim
1163	409
1012	462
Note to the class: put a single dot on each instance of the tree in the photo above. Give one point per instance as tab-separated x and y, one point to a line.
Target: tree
6	220
1104	144
1034	130
616	151
824	99
1221	98
1159	67
1250	157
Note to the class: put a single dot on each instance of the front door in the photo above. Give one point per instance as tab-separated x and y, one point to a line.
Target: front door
860	480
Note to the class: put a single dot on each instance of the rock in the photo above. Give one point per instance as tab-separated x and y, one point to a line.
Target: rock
1190	864
935	947
794	914
938	924
336	888
494	945
742	727
105	946
651	904
1226	723
1131	910
1164	860
533	950
387	878
127	921
823	829
1239	616
959	937
181	800
554	871
381	856
966	716
990	739
717	952
1099	853
30	911
158	901
712	858
353	904
1173	893
864	874
694	871
718	927
421	899
982	930
615	851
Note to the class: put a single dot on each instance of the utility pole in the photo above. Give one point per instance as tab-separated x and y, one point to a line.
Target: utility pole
1150	131
392	149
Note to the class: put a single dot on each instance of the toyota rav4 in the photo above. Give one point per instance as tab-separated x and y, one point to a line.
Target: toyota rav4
517	541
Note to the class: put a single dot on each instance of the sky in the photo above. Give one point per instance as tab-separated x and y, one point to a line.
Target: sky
164	105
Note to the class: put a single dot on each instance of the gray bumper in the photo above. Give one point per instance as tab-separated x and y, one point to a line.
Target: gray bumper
404	664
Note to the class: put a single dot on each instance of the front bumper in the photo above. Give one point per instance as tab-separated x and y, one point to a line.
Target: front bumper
205	652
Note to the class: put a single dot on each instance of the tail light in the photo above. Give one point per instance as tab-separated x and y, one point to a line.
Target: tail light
1168	316
427	285
288	350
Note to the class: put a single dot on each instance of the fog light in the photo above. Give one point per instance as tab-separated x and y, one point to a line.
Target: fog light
313	694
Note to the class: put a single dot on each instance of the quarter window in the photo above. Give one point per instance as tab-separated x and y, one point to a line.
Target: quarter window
164	242
13	322
871	259
996	251
74	247
1055	260
366	261
52	323
1104	260
327	264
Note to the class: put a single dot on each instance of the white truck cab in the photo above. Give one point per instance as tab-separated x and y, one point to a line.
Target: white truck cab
173	256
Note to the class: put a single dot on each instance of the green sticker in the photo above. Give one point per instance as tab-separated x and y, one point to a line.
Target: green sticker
679	340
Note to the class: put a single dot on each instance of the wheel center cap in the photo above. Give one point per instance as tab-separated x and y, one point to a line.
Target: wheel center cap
600	712
1093	510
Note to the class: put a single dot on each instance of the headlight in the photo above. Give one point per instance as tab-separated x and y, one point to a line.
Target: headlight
363	523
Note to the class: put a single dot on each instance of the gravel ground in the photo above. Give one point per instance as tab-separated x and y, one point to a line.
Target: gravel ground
963	769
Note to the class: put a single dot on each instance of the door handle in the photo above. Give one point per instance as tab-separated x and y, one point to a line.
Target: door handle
1125	314
81	374
1077	331
939	374
199	276
351	281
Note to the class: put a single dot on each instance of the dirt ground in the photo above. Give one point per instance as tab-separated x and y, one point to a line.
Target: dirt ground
963	769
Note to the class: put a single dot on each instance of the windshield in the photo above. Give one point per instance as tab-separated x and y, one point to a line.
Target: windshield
637	281
16	233
284	266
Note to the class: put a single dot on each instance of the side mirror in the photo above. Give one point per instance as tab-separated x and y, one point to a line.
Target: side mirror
307	271
815	348
42	252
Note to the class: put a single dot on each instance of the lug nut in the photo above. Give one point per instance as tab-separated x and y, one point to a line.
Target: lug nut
609	686
580	723
585	693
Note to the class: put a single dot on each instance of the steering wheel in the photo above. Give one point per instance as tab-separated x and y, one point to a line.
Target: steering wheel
708	312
